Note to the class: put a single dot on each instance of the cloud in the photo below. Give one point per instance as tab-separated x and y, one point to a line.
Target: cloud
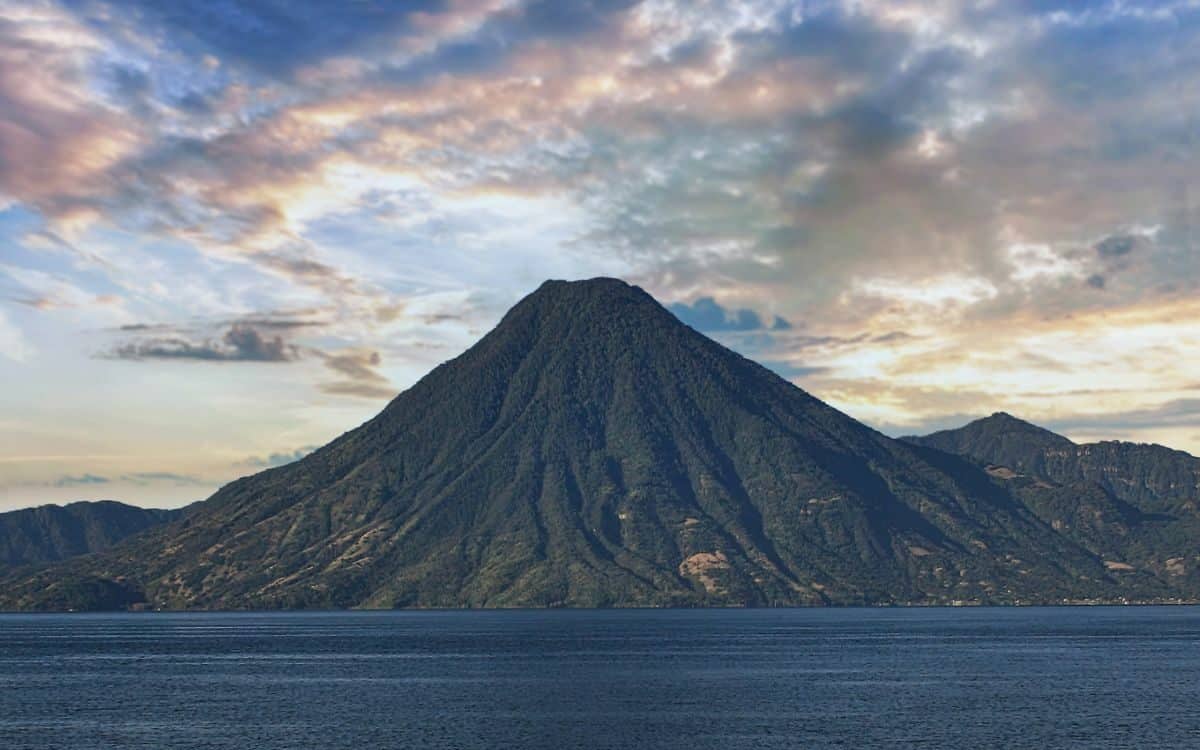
309	272
1040	263
284	324
80	480
790	371
278	459
360	390
773	145
244	340
143	327
37	303
281	39
167	477
705	314
1184	412
241	343
359	376
1030	365
892	337
1115	246
57	140
48	292
283	321
246	343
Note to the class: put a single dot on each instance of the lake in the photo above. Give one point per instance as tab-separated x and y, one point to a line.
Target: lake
696	679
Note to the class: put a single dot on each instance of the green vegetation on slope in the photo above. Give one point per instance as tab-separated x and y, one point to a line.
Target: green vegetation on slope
1136	506
55	532
594	451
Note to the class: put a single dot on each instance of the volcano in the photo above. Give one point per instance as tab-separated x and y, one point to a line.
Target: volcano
594	451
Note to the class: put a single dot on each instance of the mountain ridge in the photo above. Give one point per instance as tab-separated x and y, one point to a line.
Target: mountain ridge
1149	472
592	450
49	533
1134	504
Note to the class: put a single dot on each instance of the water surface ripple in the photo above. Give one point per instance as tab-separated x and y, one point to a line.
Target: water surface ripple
694	679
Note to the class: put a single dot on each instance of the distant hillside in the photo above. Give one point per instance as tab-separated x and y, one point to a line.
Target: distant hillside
1153	477
1135	505
594	451
56	532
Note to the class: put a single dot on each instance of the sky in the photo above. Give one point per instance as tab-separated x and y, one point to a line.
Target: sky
231	231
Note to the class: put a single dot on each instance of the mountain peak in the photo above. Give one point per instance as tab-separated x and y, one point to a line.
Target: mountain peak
998	426
1004	419
596	283
583	313
574	298
1001	439
591	450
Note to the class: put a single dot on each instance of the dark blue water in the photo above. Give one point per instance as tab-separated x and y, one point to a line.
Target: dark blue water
933	678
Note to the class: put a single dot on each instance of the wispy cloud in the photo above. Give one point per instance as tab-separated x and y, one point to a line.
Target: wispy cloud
80	480
241	343
140	477
705	314
168	477
1172	413
278	459
358	374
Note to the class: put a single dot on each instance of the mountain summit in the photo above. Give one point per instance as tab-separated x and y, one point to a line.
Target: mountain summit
1160	478
1002	439
592	450
55	532
1136	505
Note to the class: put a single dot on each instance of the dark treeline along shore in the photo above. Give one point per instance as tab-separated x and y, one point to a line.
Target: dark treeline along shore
594	451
